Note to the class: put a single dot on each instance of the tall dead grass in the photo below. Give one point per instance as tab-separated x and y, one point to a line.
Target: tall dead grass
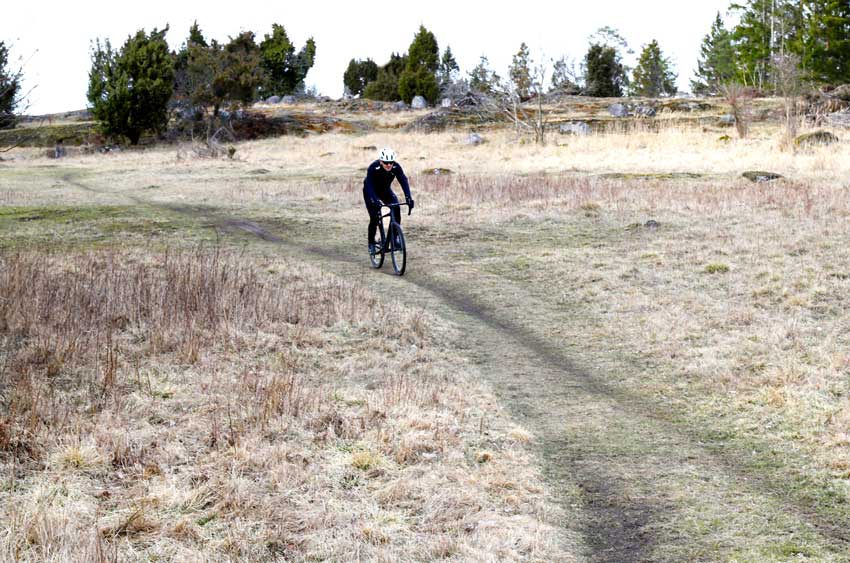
203	404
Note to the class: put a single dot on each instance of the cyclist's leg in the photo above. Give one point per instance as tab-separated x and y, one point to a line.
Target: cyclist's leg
374	214
391	198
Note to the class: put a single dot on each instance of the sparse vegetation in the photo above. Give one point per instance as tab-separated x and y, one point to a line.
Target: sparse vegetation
655	395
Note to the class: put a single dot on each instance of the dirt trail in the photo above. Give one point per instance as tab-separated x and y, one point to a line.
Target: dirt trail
637	484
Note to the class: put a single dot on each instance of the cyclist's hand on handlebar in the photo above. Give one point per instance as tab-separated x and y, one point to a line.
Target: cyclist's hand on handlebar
410	206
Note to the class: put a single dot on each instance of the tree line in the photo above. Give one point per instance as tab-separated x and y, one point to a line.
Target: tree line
814	35
132	87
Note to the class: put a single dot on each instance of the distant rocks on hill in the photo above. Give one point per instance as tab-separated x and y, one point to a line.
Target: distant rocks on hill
619	110
578	128
474	139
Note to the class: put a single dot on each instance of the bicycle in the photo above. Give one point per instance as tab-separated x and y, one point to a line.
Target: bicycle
389	239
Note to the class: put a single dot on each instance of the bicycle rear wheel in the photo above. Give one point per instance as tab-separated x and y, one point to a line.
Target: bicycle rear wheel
398	250
377	258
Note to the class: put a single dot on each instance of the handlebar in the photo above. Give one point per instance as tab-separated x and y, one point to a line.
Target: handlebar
399	204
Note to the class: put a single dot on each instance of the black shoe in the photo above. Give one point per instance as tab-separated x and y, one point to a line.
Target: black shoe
373	249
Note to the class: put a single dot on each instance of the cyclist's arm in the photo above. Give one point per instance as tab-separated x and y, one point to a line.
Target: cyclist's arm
402	179
369	186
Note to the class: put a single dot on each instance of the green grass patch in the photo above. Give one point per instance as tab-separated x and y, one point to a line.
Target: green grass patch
716	269
92	225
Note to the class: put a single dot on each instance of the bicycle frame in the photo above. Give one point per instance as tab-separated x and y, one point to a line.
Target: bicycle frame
392	238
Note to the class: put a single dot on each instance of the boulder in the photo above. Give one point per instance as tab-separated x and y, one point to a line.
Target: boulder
727	120
842	93
760	176
419	103
399	106
271	100
446	103
474	139
618	110
838	119
289	100
579	128
645	111
815	138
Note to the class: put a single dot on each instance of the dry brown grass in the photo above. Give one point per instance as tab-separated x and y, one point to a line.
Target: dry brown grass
736	301
197	405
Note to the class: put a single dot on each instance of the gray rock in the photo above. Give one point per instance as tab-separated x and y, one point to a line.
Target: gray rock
273	100
446	103
618	110
289	100
419	103
399	106
474	139
579	128
726	120
645	111
838	119
437	172
760	176
842	93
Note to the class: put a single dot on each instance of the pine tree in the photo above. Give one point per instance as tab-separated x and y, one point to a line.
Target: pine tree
766	28
419	77
285	70
449	69
129	89
826	46
10	84
653	76
716	65
358	75
240	74
605	75
520	72
754	42
482	78
385	85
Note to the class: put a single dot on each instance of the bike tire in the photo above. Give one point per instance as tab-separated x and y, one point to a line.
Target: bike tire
377	259
398	254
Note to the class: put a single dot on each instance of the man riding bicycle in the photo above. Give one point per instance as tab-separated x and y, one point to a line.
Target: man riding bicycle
377	191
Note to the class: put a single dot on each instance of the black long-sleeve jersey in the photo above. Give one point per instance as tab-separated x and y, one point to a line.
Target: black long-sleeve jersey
378	180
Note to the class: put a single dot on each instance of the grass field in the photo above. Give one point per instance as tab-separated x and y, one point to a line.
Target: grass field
608	348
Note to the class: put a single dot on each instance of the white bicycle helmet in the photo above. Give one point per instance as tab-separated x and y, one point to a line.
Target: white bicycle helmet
387	155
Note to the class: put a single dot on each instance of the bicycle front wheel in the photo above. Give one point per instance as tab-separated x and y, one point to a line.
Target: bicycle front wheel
398	250
379	245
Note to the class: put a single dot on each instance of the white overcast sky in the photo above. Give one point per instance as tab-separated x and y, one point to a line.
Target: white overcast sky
53	38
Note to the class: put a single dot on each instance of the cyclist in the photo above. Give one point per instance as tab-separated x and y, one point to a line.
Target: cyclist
377	191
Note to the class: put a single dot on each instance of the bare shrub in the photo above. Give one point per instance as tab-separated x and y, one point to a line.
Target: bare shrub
789	84
739	97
